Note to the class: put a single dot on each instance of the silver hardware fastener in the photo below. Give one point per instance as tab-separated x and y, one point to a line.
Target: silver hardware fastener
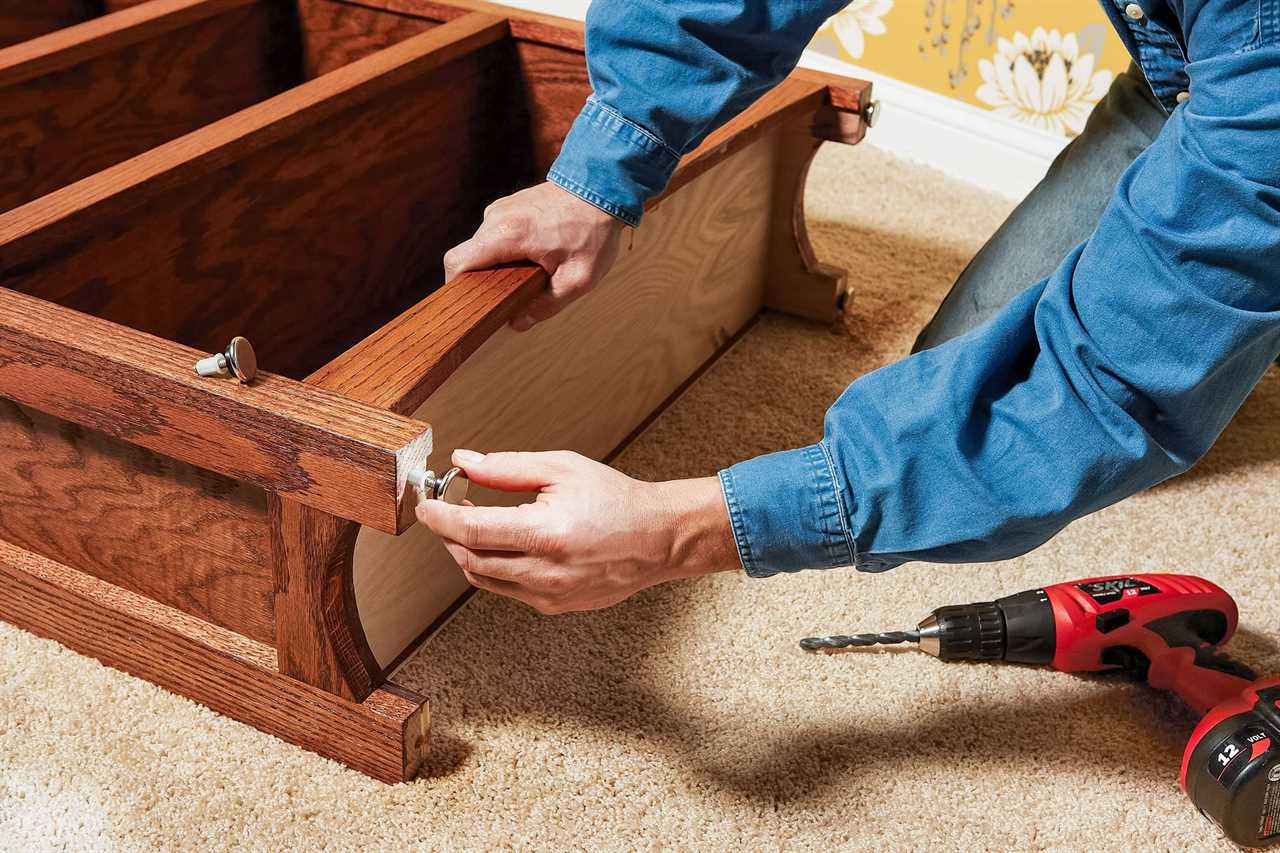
238	360
450	487
871	113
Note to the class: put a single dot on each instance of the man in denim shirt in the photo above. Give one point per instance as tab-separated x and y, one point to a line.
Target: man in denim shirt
1095	347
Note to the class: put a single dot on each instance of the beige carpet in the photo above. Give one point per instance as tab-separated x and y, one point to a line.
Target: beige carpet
687	718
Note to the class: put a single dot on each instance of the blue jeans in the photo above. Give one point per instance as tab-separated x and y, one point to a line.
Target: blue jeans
1058	215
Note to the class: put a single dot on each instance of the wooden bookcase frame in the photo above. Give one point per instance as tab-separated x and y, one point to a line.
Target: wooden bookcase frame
253	547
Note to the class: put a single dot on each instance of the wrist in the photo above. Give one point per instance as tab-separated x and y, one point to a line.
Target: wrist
699	535
586	210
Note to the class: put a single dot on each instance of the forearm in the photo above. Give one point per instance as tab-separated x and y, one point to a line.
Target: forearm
665	75
1118	371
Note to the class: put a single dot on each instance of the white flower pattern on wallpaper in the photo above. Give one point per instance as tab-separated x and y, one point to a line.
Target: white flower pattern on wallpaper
859	19
1043	81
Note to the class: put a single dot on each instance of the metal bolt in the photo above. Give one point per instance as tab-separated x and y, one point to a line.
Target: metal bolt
871	113
238	360
450	487
1182	97
1134	11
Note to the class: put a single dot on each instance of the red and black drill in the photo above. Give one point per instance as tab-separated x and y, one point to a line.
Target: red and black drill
1164	629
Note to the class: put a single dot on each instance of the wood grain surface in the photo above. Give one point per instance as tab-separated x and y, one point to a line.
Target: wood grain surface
335	34
400	365
583	381
555	88
799	283
93	95
303	223
181	535
315	446
384	736
23	19
63	117
318	635
106	34
525	24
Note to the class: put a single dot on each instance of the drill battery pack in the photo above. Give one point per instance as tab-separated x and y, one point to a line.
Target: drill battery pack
1231	767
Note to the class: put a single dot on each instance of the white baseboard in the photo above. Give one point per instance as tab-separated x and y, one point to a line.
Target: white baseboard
958	139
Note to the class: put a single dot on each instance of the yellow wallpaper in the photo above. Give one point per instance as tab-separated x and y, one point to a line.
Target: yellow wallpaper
1042	63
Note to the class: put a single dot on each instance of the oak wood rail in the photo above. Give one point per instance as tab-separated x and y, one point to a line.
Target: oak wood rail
72	45
398	366
320	448
56	218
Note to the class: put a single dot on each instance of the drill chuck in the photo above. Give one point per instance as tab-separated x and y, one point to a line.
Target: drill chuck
1017	628
964	632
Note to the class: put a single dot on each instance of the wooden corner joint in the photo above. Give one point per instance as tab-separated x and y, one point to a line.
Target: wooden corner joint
848	109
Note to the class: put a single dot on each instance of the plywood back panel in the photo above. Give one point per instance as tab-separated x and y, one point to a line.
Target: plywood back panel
181	535
587	378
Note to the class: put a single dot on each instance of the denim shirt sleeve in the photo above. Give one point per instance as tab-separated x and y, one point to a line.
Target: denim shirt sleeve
1118	371
664	75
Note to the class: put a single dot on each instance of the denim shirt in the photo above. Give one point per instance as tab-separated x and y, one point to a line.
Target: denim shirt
1116	372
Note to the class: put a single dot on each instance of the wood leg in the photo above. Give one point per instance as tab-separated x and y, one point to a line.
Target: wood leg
319	638
798	283
385	736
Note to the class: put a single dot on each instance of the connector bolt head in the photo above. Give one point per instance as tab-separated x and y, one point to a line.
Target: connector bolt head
238	360
450	487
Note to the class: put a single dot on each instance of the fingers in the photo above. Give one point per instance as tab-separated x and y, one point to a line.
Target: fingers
496	565
511	590
496	242
507	588
513	471
490	528
568	282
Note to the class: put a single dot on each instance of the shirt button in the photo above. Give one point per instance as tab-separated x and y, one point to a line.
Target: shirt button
1134	11
1183	97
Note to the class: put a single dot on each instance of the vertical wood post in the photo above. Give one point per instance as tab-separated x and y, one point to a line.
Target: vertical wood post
319	639
798	283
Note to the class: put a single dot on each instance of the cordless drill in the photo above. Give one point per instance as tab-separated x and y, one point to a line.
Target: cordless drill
1164	629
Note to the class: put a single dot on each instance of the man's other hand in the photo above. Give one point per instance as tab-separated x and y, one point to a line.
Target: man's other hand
591	538
575	242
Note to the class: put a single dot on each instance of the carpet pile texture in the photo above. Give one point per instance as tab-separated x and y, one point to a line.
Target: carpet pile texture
687	717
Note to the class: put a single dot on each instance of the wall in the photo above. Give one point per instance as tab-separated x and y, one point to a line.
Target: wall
984	90
1041	64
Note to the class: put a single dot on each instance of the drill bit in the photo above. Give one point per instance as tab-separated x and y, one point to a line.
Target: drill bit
831	644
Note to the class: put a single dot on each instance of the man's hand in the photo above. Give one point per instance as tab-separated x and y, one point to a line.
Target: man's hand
591	538
575	242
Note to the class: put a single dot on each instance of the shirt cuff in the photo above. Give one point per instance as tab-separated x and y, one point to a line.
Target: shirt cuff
787	513
612	163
